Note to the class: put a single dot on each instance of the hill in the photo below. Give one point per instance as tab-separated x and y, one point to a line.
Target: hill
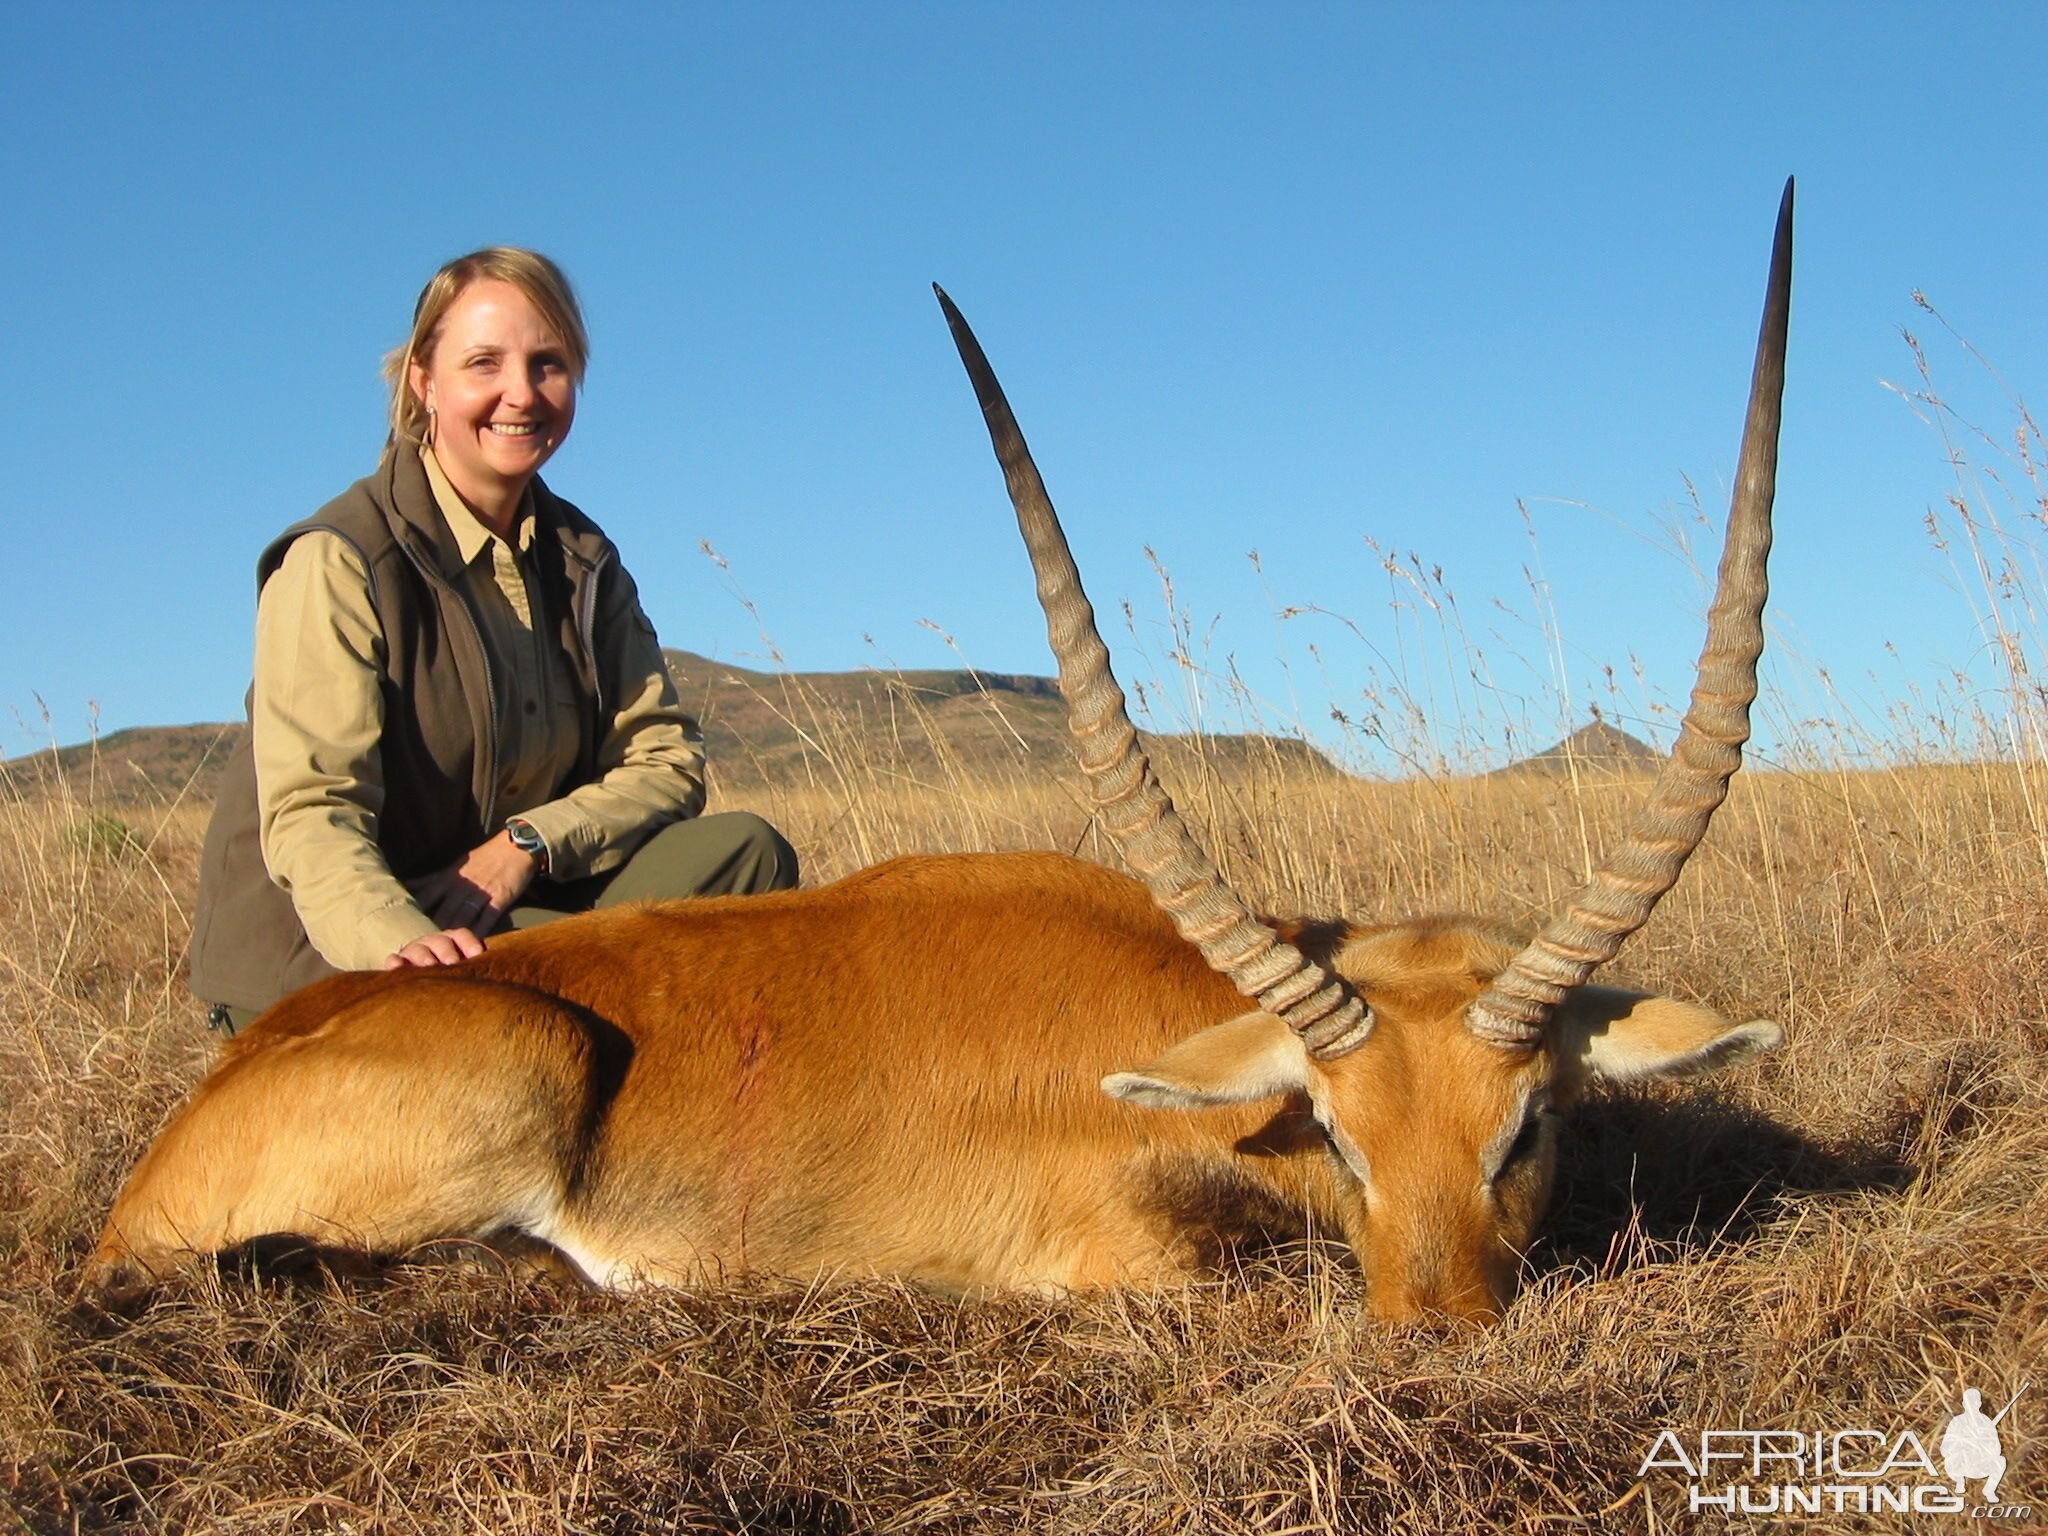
143	765
1599	749
758	727
762	726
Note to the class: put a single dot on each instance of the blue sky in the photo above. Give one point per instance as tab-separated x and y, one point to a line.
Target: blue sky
1311	280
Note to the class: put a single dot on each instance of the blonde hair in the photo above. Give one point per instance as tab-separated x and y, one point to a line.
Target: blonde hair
545	287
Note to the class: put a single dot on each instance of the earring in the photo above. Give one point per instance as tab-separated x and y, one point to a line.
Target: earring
428	436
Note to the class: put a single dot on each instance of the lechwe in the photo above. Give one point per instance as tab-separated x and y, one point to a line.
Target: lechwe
898	1074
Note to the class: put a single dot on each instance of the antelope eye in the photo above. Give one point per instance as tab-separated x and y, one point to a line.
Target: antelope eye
1353	1162
1526	1141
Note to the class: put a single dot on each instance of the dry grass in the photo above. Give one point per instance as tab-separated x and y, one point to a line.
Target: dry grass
1844	1237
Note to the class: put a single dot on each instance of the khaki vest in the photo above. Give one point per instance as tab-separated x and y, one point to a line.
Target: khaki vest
439	742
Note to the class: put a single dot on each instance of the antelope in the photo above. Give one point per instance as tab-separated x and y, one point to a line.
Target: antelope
897	1074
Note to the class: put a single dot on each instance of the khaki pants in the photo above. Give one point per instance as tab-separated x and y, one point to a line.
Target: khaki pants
735	853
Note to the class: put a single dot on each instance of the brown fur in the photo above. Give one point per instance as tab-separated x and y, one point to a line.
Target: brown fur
895	1074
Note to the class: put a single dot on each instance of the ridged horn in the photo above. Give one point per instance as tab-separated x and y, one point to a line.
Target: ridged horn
1133	807
1629	882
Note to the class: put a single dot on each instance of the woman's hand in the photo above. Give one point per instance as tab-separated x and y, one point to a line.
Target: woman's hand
448	947
468	899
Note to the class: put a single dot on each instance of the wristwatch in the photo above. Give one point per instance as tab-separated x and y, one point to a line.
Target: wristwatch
528	841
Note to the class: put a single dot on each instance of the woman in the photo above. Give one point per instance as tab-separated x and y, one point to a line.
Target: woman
460	718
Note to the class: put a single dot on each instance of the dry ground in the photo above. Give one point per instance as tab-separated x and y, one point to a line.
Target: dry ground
1844	1237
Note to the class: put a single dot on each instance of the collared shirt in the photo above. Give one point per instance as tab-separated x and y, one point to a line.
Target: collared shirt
535	703
318	714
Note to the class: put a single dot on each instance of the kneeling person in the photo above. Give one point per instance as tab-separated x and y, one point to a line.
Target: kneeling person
461	718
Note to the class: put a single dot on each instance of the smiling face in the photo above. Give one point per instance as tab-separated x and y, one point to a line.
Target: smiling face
499	383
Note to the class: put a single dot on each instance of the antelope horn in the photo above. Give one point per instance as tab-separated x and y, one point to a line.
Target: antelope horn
1628	883
1134	809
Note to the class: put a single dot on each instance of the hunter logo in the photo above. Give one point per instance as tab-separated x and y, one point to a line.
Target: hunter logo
1840	1471
1970	1447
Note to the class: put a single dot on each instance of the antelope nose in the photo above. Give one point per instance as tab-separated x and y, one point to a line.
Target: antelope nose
1470	1301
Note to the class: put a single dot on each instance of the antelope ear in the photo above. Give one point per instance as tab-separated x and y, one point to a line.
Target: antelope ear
1618	1035
1253	1056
